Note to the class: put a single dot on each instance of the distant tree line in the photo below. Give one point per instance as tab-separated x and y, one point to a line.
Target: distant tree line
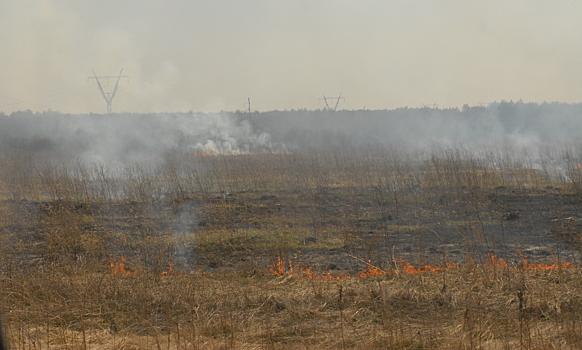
292	129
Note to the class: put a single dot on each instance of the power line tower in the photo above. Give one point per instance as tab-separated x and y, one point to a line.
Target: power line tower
108	96
434	106
249	114
332	98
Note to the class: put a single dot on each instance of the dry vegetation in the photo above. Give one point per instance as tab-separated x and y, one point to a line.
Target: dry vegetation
353	247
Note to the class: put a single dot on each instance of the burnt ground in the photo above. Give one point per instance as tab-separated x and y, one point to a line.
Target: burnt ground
538	225
428	226
334	228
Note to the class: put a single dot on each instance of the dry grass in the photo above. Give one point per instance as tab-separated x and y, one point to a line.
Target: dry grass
466	308
199	235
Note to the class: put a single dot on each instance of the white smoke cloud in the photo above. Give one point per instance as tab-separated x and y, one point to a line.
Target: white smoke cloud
122	138
213	55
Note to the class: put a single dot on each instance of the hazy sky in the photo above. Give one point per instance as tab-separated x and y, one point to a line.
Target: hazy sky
212	55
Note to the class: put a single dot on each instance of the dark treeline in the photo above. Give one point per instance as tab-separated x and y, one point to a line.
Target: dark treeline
515	121
129	136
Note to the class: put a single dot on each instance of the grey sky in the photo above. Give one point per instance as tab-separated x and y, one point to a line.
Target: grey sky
283	54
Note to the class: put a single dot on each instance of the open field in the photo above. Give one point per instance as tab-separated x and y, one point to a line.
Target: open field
352	247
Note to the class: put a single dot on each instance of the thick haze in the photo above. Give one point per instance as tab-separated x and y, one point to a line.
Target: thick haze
213	55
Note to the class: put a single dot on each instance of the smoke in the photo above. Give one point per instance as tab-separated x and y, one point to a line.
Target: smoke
196	55
121	139
129	138
520	124
183	229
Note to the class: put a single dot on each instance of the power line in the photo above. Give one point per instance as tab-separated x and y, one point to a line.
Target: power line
434	106
61	101
150	94
332	98
108	96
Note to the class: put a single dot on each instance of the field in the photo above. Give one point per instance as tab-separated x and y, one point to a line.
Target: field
355	246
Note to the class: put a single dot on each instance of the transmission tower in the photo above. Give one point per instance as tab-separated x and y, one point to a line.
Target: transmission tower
108	96
434	106
332	98
249	109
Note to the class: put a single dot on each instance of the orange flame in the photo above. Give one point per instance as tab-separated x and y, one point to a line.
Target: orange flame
117	267
371	270
493	261
284	266
411	270
537	266
278	267
170	271
526	266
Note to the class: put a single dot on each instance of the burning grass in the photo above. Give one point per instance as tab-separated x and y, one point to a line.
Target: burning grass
526	266
117	267
285	267
226	311
378	252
